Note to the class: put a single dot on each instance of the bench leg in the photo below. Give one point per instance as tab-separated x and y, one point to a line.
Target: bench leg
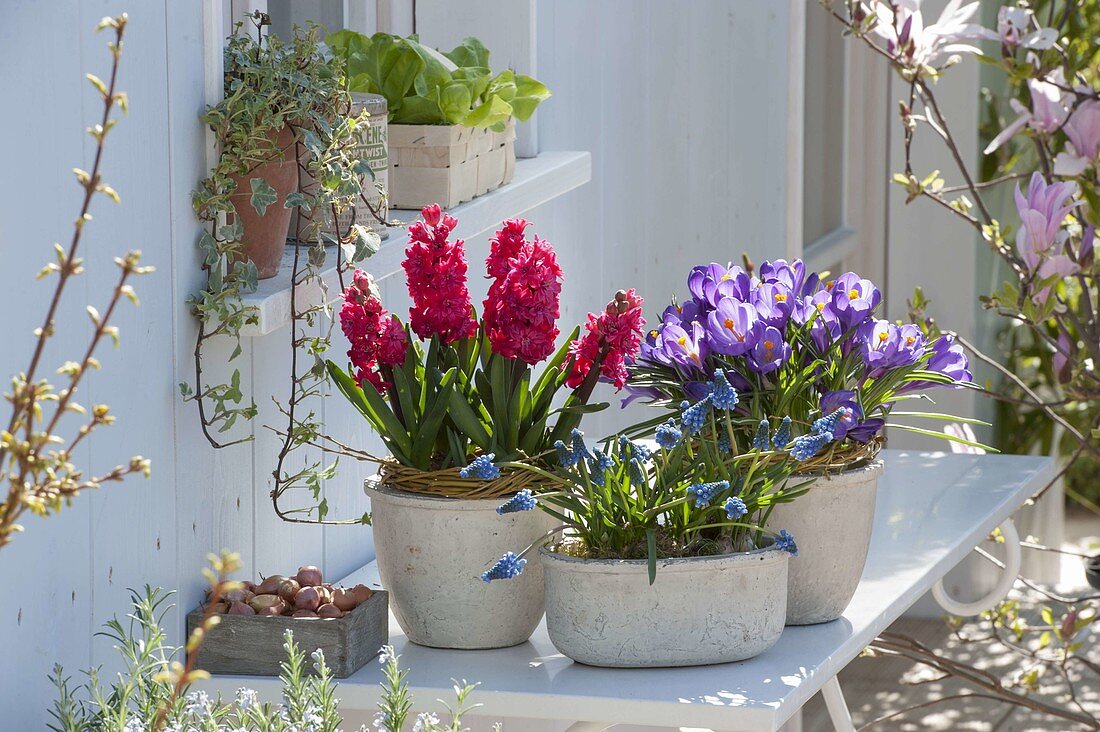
1004	584
838	709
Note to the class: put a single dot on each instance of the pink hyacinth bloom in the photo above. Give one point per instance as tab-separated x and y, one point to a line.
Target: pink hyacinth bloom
915	43
436	272
612	340
1083	131
1050	105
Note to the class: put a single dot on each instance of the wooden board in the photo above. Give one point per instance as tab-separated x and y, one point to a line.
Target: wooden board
251	644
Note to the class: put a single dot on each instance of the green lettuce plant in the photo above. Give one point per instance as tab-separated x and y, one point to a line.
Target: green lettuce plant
426	87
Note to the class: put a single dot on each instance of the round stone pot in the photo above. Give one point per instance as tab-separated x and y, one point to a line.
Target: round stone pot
431	553
699	611
831	525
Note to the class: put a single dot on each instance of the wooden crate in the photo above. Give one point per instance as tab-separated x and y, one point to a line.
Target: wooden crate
448	164
253	644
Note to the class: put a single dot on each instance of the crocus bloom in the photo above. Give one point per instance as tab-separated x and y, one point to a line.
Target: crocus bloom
792	275
774	302
770	352
850	423
684	347
711	283
949	359
1050	105
730	327
917	44
885	346
1083	131
853	299
507	567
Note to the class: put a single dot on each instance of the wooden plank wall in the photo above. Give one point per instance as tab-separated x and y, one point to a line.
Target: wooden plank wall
658	93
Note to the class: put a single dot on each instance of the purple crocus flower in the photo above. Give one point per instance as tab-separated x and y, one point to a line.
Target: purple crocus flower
878	344
683	346
854	299
910	345
774	302
770	351
730	327
1083	131
949	358
851	423
711	283
792	275
679	313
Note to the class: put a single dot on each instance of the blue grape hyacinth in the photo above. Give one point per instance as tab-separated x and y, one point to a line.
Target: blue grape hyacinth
763	432
783	434
735	508
695	415
668	434
522	501
785	542
482	468
806	446
507	567
722	395
598	464
705	492
628	449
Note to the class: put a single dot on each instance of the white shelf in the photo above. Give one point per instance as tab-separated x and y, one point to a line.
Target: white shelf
537	180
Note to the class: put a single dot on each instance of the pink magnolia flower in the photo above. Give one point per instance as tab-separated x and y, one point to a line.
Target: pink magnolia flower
1041	238
1083	131
1014	28
915	43
1050	106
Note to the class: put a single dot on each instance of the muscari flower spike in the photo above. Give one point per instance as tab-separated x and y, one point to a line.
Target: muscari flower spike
482	468
705	492
724	443
760	441
598	464
694	415
637	473
785	542
566	457
628	449
827	424
507	567
579	447
806	446
783	434
722	394
735	508
522	501
668	434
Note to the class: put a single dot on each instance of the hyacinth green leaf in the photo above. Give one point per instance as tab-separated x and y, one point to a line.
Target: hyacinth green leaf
263	195
432	420
465	419
411	415
371	405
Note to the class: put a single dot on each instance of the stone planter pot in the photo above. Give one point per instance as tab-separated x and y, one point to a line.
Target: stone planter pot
832	526
431	553
699	611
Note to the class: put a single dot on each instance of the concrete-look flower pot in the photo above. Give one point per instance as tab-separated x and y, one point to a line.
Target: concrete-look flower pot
832	526
699	611
431	553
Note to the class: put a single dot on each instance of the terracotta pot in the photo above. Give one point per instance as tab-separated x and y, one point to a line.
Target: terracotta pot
264	237
699	611
832	526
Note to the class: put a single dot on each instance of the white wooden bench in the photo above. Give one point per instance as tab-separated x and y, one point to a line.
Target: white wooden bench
932	510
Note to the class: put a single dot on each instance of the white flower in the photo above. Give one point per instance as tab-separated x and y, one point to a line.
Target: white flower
134	724
197	703
246	698
920	45
386	654
1014	29
425	722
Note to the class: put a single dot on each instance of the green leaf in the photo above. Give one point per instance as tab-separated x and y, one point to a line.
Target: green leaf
491	112
263	195
436	411
371	405
530	93
454	102
471	52
651	554
941	435
297	200
465	419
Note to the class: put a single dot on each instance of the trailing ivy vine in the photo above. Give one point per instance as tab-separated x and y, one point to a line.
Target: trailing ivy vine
271	84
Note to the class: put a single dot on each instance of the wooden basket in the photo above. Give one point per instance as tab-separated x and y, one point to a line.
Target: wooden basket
253	644
447	483
448	164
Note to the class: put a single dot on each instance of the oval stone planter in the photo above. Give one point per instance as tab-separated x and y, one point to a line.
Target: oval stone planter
699	611
832	526
431	553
